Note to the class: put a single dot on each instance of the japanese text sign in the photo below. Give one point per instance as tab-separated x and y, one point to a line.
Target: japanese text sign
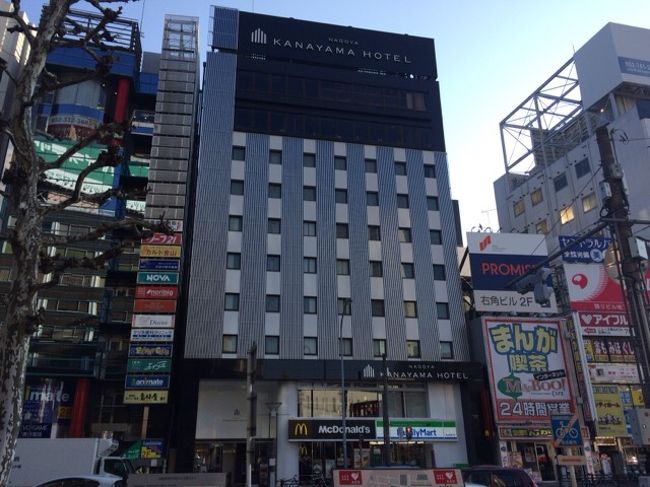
519	354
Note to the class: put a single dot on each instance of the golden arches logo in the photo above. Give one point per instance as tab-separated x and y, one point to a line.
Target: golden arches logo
301	429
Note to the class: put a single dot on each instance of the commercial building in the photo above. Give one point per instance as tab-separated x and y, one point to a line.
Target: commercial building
323	232
77	380
552	186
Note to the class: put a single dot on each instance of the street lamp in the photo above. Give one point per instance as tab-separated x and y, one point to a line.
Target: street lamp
344	400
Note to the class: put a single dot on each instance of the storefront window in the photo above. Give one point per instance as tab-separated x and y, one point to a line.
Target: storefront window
534	458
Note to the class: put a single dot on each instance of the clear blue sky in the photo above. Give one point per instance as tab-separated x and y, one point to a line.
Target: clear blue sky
491	55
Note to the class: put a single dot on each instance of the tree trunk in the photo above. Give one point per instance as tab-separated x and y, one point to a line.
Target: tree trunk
13	362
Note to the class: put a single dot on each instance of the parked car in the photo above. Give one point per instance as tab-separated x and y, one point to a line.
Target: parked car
85	481
495	476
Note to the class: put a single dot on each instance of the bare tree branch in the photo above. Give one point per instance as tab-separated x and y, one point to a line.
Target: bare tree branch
103	133
58	263
22	26
51	86
141	229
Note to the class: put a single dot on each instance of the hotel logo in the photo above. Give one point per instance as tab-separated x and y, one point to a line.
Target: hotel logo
258	36
368	372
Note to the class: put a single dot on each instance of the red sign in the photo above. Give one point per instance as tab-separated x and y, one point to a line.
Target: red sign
154	306
444	476
156	292
350	477
164	239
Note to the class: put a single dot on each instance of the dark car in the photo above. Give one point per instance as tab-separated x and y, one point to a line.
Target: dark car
494	476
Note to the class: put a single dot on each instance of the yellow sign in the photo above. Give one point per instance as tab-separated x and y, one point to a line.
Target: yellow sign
571	460
609	410
146	397
172	251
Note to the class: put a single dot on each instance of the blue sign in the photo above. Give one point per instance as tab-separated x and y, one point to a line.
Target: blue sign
566	430
639	67
590	250
159	265
495	271
147	382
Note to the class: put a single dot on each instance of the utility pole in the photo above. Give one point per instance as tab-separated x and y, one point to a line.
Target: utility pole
251	429
385	416
632	275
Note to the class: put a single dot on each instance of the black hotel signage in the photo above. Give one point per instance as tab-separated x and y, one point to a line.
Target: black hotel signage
307	429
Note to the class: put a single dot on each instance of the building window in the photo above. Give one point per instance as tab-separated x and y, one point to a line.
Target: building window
519	207
413	348
404	235
408	271
402	201
229	344
536	197
309	160
272	345
343	267
233	260
410	309
309	229
236	187
275	157
566	215
235	223
372	198
541	227
582	168
309	265
340	163
272	303
379	347
446	350
376	269
274	226
432	203
374	233
309	193
371	166
275	191
310	305
377	306
589	202
346	345
400	169
436	237
310	346
273	263
429	171
442	310
439	273
342	230
343	306
341	196
560	182
231	302
5	275
238	153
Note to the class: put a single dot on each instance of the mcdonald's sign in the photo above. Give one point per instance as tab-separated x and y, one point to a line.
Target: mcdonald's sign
307	429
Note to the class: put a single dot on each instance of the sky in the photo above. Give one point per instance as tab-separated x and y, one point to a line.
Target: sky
491	55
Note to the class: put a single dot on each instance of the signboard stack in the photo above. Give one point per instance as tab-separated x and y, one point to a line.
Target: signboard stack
152	333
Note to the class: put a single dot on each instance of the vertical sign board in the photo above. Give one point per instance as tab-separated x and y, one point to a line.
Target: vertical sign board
527	369
496	259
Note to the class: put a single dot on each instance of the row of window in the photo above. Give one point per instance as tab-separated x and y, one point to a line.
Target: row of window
340	162
310	306
560	182
274	226
340	195
233	261
310	346
567	213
